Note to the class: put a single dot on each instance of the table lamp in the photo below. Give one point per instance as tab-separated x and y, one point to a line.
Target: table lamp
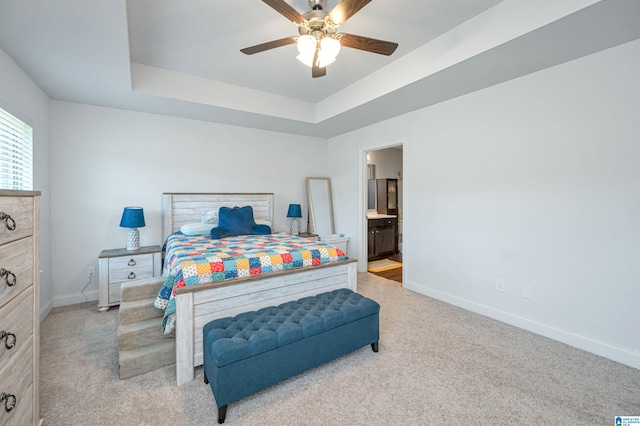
295	212
132	218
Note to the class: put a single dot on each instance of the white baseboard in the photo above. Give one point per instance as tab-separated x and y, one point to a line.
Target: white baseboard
44	311
72	299
620	355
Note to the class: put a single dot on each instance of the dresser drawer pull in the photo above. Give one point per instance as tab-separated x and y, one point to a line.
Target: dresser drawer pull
9	339
9	277
132	276
132	262
9	223
9	401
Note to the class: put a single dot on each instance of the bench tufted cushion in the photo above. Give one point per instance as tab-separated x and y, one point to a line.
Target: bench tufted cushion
251	333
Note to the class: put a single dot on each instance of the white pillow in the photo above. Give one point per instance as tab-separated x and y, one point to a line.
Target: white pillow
263	222
210	217
194	229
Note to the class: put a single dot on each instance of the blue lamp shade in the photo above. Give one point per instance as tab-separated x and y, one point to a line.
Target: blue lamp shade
294	212
132	218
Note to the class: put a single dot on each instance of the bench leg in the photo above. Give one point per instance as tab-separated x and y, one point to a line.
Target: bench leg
206	379
222	414
374	346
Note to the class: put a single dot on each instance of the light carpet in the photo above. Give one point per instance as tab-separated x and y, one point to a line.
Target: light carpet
437	365
383	265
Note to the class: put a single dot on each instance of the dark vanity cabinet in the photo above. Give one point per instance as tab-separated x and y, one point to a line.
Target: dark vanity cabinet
383	238
387	192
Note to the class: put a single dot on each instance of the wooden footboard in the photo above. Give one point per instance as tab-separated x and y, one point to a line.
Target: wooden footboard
197	305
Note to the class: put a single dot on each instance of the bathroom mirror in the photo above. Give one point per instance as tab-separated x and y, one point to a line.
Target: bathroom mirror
320	206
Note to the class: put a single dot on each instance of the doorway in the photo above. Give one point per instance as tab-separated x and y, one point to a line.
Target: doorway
384	203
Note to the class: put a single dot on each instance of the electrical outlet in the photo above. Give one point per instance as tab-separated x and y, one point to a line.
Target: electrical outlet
91	272
472	279
526	291
500	284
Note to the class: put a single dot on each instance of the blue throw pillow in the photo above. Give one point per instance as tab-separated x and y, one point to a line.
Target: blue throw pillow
261	230
237	221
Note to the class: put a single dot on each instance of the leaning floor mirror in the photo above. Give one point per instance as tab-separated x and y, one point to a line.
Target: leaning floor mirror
320	206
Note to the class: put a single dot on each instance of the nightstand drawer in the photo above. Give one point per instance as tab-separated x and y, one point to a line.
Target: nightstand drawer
122	275
133	261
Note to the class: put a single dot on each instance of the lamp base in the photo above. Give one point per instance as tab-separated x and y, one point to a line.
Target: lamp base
295	227
133	239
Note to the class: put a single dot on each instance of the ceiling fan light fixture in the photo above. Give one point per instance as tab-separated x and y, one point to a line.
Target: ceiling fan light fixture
306	59
306	45
330	46
323	61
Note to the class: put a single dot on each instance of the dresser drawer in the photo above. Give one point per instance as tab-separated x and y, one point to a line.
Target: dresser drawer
16	323
20	209
16	259
22	415
16	379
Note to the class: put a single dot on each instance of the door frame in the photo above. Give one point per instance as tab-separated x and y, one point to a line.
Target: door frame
364	247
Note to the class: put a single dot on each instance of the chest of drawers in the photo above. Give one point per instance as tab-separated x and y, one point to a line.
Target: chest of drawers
121	265
19	307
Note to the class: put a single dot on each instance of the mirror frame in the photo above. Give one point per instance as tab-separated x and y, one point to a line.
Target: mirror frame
313	213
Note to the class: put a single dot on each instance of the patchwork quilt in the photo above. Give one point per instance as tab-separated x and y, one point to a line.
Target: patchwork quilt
195	260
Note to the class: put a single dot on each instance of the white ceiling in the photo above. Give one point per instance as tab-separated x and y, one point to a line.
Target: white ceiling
182	57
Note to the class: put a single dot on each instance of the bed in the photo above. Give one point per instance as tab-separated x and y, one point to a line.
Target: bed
199	304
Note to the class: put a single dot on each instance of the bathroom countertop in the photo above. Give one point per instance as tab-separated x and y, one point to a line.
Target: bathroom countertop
374	215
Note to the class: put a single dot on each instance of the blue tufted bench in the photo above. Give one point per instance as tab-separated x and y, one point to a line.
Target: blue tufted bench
255	350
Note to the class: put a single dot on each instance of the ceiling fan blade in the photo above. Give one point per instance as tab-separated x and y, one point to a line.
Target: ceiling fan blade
346	9
368	44
268	45
285	10
317	71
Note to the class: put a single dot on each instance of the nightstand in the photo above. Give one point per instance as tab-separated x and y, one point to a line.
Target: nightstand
121	265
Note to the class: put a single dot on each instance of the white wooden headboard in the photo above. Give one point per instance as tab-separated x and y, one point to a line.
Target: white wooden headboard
179	208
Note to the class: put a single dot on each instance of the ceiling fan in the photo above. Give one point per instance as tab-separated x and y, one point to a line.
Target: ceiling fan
319	41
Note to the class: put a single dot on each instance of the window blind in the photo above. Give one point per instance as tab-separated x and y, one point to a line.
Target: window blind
16	153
